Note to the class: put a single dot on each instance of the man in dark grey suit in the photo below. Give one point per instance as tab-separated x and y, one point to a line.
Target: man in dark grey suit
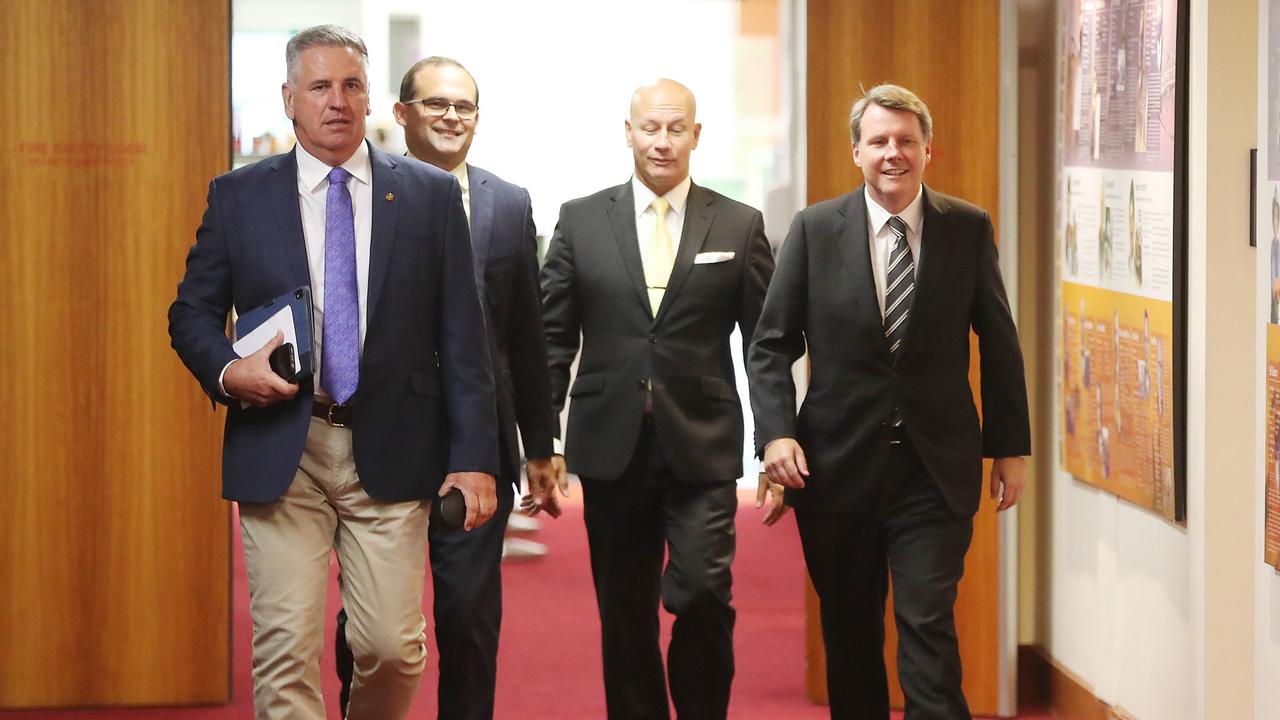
884	462
653	275
439	110
401	409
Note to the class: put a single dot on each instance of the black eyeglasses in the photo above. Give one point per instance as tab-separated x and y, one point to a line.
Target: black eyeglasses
437	107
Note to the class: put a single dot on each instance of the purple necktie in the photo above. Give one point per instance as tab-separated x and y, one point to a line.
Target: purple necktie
340	355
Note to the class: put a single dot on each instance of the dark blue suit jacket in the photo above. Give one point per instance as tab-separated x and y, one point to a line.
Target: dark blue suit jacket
505	245
425	403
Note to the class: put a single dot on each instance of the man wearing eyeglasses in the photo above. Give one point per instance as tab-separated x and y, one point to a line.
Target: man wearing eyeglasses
439	110
649	278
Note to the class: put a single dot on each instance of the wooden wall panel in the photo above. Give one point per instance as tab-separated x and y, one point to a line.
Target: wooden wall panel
947	52
114	545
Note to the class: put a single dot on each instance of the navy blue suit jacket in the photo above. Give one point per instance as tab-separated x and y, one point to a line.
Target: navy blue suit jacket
425	402
505	245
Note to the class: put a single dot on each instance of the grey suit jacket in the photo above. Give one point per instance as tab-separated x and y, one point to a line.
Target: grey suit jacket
593	285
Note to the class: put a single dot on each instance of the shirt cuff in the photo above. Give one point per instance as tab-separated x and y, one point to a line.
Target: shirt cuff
221	388
557	446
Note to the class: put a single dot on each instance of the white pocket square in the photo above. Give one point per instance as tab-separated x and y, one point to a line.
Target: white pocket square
707	258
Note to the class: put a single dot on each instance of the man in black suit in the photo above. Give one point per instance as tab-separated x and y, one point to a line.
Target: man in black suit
884	462
653	275
402	405
439	110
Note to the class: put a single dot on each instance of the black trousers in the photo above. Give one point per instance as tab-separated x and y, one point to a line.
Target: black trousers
913	538
631	522
466	577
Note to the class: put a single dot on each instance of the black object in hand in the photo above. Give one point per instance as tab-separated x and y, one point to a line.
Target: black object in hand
284	362
451	510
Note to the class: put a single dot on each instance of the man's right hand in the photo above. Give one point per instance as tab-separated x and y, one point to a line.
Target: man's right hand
785	464
252	380
544	475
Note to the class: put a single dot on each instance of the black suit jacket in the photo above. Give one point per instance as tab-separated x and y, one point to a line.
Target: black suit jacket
506	258
824	297
593	284
425	401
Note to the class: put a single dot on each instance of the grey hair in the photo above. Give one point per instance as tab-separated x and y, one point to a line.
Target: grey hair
892	97
321	36
408	85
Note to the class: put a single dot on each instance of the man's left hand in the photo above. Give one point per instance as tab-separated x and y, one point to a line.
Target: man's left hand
777	508
479	491
1008	477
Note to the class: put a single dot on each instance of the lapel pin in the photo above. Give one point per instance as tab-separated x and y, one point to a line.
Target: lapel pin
391	196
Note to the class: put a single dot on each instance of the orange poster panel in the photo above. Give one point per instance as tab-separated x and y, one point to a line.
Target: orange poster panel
1117	390
1271	547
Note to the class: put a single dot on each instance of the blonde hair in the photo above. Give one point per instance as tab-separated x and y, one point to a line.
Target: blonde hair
892	97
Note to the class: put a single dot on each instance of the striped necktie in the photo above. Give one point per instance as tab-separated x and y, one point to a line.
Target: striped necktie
900	285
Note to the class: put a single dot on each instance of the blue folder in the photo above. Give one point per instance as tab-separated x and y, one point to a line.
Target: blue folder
299	300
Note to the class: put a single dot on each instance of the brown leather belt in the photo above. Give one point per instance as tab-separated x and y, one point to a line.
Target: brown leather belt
333	413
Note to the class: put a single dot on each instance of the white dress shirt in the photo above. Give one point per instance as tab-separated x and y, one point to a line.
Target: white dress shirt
313	191
881	238
464	179
647	219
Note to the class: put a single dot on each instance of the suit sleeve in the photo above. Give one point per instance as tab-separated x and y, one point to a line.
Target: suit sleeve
465	364
560	313
1006	429
527	348
198	316
779	341
757	271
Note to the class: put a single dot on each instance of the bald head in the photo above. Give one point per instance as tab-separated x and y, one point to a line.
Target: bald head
664	93
662	133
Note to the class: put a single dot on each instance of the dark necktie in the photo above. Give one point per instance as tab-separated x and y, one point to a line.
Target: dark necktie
900	285
340	356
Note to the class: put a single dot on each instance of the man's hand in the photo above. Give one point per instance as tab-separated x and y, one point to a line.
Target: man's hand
544	476
785	464
252	380
1008	476
774	491
479	493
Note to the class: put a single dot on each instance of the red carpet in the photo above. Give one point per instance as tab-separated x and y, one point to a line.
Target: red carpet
549	662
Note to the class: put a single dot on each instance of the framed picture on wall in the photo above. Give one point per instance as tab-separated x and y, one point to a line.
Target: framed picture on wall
1267	224
1121	232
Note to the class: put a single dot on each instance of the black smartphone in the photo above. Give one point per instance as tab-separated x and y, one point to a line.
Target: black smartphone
284	361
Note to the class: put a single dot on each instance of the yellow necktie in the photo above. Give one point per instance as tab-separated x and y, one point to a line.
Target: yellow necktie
660	258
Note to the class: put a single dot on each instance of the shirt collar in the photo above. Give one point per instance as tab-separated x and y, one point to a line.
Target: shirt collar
678	196
312	171
912	215
460	172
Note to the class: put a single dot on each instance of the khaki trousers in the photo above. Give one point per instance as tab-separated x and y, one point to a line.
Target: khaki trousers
382	550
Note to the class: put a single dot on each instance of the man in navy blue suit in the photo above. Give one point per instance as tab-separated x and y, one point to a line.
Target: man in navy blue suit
439	110
401	407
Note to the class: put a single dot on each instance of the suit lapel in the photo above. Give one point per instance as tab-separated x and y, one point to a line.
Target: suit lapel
386	187
622	216
855	247
284	204
699	211
934	248
481	217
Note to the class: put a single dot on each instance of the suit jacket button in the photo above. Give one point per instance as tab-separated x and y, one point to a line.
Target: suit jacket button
653	338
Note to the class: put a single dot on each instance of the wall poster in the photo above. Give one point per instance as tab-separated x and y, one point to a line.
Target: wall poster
1268	235
1121	242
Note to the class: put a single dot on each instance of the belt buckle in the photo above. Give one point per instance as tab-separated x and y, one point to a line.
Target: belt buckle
329	416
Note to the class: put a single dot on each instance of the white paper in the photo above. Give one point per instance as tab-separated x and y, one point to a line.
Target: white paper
259	336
